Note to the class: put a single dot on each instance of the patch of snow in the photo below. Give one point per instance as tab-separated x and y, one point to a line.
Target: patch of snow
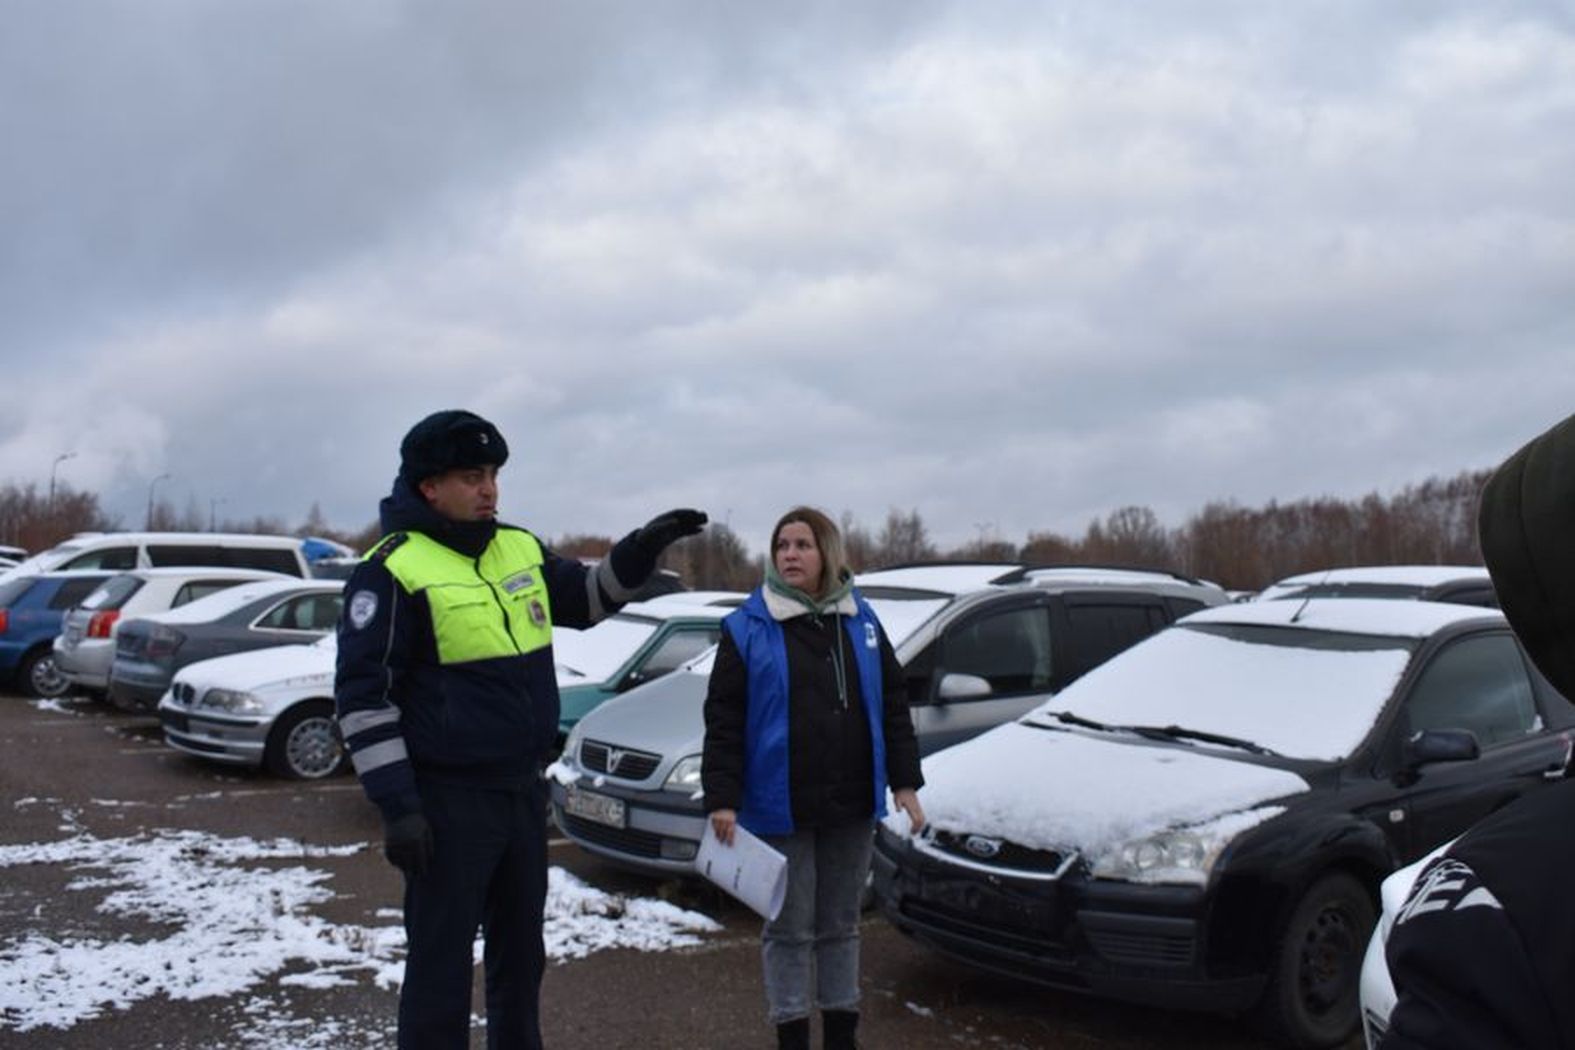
227	924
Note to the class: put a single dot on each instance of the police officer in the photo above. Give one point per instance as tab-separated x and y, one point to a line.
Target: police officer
448	705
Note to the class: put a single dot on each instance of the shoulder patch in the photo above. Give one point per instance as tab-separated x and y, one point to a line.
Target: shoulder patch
386	546
361	609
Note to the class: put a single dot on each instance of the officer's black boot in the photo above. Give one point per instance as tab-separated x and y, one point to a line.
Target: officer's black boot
839	1028
793	1035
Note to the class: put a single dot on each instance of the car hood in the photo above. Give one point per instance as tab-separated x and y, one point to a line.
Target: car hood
261	668
665	716
1058	789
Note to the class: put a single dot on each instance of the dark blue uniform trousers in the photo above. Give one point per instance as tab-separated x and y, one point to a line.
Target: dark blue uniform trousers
488	869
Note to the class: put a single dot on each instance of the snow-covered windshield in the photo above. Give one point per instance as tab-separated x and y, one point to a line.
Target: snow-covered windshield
1302	693
600	650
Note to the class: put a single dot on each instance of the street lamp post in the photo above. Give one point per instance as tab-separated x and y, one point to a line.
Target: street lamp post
213	513
149	524
52	469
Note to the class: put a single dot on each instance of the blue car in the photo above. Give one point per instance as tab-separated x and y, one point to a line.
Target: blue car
31	611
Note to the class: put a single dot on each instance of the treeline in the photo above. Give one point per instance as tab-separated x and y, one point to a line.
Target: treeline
1240	548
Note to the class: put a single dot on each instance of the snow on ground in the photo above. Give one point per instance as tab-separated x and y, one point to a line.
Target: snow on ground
228	914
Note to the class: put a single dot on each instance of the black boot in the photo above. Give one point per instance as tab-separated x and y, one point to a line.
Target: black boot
839	1028
793	1035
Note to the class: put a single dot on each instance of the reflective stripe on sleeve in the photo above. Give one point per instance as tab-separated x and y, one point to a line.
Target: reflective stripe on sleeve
360	721
386	753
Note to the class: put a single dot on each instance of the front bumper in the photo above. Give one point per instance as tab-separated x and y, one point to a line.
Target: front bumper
660	835
1143	944
222	738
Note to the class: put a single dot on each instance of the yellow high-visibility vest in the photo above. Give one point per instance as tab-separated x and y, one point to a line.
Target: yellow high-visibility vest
481	608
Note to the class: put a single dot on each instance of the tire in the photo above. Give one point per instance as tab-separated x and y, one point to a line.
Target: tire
39	676
304	743
1312	999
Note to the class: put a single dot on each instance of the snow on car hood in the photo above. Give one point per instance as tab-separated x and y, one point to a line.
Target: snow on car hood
1055	789
260	668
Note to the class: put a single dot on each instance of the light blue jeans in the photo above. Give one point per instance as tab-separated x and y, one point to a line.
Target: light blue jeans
811	950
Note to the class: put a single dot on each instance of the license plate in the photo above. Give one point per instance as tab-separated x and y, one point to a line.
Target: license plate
588	805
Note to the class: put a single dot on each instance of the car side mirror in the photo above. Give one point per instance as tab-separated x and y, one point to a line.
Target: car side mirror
1441	745
956	686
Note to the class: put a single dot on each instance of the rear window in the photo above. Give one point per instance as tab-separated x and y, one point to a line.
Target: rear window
185	554
113	593
72	592
190	592
10	592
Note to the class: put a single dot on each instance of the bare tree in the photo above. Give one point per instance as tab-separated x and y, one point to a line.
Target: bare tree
903	539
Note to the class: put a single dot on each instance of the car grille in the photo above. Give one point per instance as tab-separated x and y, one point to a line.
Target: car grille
183	694
599	757
1001	854
624	840
1016	937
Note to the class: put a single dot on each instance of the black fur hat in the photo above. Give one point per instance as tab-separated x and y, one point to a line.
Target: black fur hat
1527	528
448	439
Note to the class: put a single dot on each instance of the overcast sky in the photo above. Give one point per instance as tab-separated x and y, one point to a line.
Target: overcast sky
1013	265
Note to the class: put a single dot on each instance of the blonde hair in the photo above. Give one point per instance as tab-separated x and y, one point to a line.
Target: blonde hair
833	562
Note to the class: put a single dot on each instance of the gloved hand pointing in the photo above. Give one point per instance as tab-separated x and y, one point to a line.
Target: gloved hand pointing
407	843
663	529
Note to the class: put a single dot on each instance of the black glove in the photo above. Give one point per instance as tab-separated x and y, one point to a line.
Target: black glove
407	843
656	534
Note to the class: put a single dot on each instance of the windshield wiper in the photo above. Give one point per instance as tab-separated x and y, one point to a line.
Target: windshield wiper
1181	733
1165	733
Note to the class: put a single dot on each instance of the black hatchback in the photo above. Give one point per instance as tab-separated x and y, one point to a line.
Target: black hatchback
1203	821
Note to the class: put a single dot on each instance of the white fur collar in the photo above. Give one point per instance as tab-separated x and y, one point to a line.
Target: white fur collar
784	608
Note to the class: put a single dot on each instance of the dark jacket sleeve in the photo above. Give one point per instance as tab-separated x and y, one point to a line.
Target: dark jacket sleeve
902	747
726	712
374	643
1461	970
582	595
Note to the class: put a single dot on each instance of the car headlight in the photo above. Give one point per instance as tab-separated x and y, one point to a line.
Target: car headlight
230	701
685	775
1180	856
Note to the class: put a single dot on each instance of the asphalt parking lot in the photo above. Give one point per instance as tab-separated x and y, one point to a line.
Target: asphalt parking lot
153	900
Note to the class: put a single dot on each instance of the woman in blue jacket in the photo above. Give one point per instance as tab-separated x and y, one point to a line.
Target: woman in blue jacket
806	728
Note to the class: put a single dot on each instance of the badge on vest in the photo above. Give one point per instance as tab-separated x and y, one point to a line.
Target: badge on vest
538	612
871	640
518	582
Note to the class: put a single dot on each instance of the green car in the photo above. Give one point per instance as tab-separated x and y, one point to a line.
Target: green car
639	643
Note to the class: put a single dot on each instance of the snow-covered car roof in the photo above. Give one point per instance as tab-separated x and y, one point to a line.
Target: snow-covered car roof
945	579
1377	616
687	603
1420	577
220	603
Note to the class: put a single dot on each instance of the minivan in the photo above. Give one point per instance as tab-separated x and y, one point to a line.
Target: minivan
123	551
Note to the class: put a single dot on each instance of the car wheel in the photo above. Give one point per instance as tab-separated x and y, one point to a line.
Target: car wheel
304	743
1312	999
39	675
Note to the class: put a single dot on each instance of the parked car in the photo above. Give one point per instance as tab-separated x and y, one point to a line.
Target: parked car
1463	584
31	611
122	551
258	615
639	643
1376	989
1204	821
272	708
85	647
980	644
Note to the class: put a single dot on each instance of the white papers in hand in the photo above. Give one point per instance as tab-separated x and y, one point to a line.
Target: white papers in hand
749	869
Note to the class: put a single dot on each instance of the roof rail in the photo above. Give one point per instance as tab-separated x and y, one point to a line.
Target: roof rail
1021	574
944	562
